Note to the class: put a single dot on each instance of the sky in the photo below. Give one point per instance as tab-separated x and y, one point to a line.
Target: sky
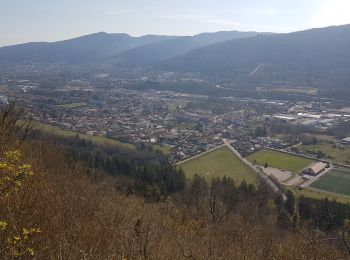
52	20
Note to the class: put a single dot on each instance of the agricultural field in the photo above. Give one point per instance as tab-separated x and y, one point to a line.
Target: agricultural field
335	153
218	163
279	160
345	109
322	137
73	105
291	90
172	107
336	180
165	149
95	139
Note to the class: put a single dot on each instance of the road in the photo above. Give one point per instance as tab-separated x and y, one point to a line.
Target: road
245	161
290	147
258	171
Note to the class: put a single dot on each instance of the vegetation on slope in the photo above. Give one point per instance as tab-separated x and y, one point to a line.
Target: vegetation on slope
65	210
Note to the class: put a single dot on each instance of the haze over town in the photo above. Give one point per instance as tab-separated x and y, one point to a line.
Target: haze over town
40	20
175	129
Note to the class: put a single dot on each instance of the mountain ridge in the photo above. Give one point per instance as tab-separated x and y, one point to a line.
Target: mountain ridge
102	46
84	48
151	53
316	53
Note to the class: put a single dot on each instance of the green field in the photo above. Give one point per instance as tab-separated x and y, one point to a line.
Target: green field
95	139
337	181
279	160
218	163
172	107
307	91
293	90
165	149
73	105
338	154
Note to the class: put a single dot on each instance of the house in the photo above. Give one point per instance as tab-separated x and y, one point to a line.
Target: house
315	169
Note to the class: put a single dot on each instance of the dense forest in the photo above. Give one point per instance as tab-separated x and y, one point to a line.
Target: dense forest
146	172
67	199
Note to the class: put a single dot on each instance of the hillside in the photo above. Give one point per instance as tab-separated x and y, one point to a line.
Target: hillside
316	57
54	206
311	56
101	47
72	215
88	48
152	53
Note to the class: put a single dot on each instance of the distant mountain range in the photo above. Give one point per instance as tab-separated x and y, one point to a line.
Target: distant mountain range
121	49
153	53
311	56
93	47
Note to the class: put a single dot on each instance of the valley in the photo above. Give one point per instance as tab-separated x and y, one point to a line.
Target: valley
108	109
174	130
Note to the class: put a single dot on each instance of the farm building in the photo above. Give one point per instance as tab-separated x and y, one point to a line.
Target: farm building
315	169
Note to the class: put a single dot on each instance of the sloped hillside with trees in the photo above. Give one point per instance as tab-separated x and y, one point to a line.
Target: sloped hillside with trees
53	205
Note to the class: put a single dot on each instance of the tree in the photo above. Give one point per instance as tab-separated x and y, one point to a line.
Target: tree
290	203
286	216
13	173
320	154
198	191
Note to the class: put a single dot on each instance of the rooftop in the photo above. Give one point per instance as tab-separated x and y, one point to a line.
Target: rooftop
317	167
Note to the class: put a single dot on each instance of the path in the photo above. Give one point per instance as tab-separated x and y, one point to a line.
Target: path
274	187
259	172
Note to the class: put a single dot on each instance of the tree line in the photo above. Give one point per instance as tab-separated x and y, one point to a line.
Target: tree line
147	172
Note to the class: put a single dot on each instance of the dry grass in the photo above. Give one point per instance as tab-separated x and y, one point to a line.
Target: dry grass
85	215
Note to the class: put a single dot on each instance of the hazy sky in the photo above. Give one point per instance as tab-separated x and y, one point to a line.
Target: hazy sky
51	20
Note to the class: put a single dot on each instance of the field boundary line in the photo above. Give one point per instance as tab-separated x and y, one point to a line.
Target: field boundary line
198	155
330	193
295	154
260	173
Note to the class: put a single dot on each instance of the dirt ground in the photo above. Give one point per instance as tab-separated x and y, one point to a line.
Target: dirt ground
295	181
281	175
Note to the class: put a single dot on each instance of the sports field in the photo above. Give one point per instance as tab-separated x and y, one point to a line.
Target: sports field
279	160
219	163
338	154
336	180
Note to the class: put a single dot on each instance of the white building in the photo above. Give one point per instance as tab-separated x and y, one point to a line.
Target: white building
315	169
346	140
